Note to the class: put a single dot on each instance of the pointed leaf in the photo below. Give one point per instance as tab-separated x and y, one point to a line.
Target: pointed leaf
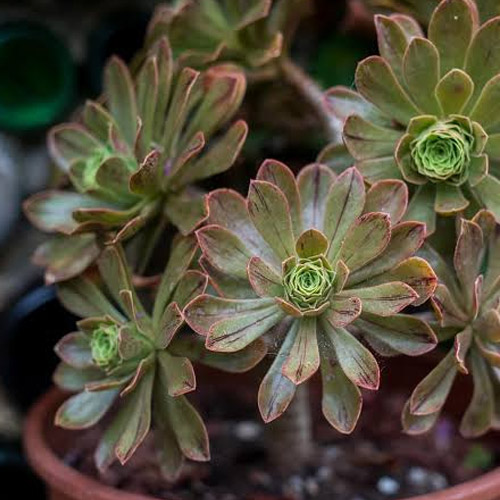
137	408
454	91
388	196
314	183
168	325
82	297
392	43
386	299
188	428
264	280
192	284
224	250
178	374
421	72
181	255
365	141
270	213
193	347
406	239
69	142
481	62
74	349
84	409
228	209
451	28
343	310
415	272
430	394
282	177
311	243
65	257
401	333
487	107
366	239
236	332
355	359
219	158
277	391
417	424
343	206
303	359
377	83
119	91
479	415
342	401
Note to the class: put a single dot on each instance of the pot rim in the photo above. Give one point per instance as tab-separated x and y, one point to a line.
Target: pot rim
69	481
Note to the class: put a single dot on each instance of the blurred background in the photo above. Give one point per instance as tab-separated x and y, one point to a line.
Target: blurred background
52	54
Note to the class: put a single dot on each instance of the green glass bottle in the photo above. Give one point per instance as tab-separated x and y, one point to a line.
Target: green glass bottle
37	77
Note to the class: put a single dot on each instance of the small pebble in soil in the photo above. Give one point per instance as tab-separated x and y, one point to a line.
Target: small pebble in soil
247	430
387	485
418	476
438	481
324	473
312	486
332	452
294	488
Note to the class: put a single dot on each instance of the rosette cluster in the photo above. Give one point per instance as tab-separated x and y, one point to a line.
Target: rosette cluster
320	268
426	111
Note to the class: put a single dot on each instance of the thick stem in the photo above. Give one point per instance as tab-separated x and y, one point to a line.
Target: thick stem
289	439
313	94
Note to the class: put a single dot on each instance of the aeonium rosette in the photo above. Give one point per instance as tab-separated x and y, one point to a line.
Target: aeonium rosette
467	306
426	110
133	159
313	264
135	364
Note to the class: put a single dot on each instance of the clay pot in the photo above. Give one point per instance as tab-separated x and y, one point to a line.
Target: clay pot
42	440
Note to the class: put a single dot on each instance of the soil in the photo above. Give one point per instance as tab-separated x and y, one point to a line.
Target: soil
376	462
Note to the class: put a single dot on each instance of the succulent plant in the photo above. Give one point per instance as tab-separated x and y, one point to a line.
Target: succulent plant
423	9
133	160
250	32
466	302
313	264
425	111
134	364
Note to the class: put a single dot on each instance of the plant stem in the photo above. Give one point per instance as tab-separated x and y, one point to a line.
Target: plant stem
313	94
289	439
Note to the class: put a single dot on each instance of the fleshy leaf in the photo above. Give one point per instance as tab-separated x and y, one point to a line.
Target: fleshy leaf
314	183
270	213
386	299
366	239
388	196
401	333
84	409
343	206
303	360
277	391
355	359
342	401
377	83
421	71
451	28
430	394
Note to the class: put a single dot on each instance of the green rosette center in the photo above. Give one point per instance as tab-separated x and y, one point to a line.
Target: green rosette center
442	153
309	282
104	346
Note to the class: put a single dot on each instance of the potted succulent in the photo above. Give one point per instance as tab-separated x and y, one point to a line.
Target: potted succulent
309	283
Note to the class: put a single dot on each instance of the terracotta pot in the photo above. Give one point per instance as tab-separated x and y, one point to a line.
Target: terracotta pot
41	438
